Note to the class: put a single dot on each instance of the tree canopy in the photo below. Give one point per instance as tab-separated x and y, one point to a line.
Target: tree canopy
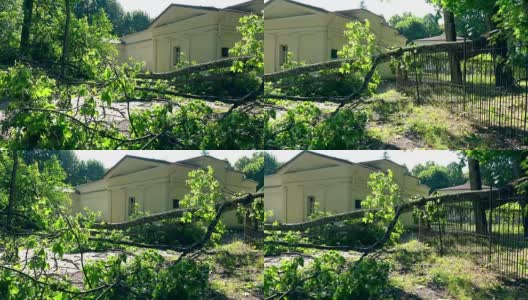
77	171
257	166
437	176
414	28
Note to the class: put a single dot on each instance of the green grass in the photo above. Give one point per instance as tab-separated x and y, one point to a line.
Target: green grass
237	271
398	122
420	272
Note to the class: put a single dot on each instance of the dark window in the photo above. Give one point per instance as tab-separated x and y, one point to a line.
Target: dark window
175	203
311	205
358	204
333	54
176	56
225	52
283	54
131	205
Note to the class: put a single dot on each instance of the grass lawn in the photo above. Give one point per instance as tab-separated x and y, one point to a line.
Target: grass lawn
237	271
419	273
398	123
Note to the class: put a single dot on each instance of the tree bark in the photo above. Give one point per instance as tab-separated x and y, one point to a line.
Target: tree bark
26	26
503	72
479	211
65	41
451	36
477	196
12	192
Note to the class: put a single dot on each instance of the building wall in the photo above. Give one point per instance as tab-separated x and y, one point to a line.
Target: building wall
311	36
137	47
154	191
200	39
335	190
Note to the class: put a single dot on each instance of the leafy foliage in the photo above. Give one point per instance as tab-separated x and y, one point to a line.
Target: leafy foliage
437	177
252	44
257	166
413	27
306	126
328	276
46	231
78	171
385	196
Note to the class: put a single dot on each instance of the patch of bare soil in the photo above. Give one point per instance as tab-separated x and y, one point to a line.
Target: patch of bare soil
117	113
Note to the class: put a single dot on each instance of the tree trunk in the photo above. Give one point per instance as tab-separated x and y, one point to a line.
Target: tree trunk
475	182
26	26
503	72
525	219
65	40
451	36
12	191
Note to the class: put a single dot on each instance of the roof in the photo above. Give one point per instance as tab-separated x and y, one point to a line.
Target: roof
326	156
300	4
135	157
237	7
348	13
186	162
438	38
244	6
465	186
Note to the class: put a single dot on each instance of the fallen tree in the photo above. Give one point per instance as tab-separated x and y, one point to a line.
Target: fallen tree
479	196
224	206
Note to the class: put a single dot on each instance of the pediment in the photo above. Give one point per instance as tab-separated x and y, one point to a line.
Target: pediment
277	9
310	161
177	13
133	164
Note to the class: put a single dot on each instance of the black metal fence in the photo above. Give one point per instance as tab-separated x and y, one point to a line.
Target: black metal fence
495	234
487	84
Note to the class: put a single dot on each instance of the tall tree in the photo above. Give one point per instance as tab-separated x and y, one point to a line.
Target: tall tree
475	182
26	26
65	41
451	36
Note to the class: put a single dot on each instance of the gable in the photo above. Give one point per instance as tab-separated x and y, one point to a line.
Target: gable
306	161
276	9
254	6
384	165
205	161
132	164
178	12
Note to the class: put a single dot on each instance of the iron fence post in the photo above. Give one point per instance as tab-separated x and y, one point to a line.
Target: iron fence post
418	101
490	222
464	77
440	233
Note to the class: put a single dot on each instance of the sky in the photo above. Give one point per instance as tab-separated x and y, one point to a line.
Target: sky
409	158
387	8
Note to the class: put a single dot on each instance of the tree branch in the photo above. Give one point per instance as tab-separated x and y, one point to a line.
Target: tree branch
227	205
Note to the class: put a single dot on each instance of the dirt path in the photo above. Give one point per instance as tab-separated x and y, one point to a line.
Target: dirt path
69	267
117	113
